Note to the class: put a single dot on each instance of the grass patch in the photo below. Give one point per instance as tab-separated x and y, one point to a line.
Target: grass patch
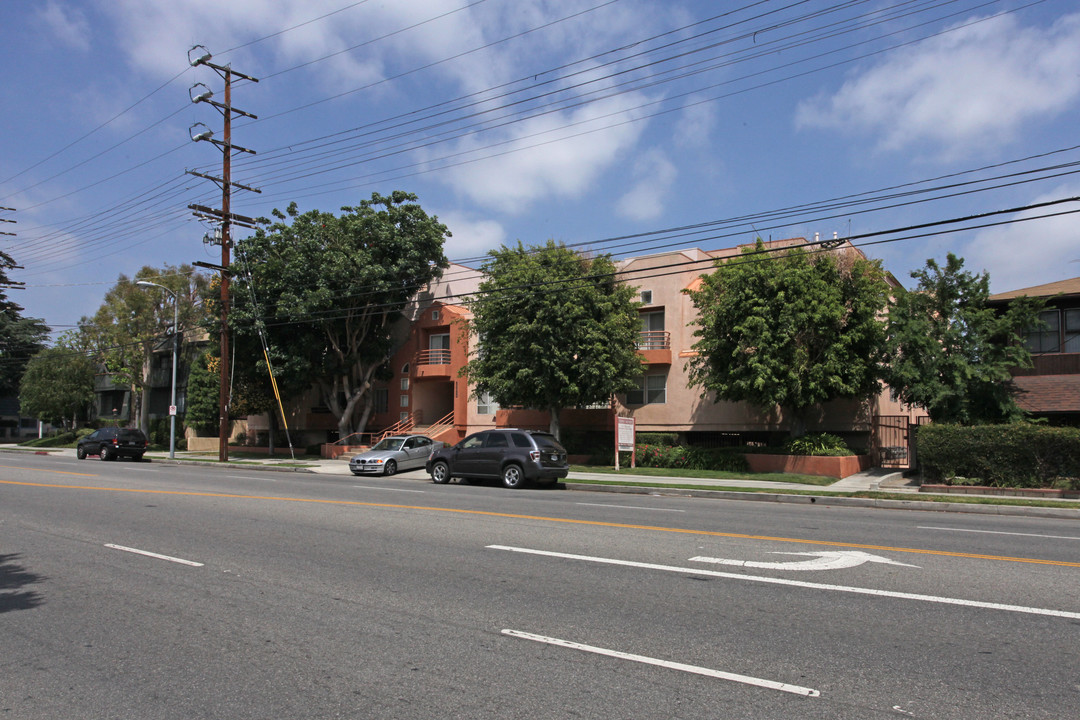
706	474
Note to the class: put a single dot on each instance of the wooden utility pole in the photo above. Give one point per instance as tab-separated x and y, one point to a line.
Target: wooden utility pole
224	216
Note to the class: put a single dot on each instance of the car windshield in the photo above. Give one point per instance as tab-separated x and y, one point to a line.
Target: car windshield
394	443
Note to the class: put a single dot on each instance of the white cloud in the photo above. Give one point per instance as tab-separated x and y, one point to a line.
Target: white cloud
655	175
695	125
972	86
471	238
67	24
532	167
1030	253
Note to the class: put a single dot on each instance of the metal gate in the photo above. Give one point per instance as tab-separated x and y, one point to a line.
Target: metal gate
892	444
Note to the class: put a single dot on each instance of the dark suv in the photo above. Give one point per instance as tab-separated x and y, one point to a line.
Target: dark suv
511	455
113	442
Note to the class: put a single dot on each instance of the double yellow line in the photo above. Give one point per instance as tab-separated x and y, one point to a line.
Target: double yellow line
541	518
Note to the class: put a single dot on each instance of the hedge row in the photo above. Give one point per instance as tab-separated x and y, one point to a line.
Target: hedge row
691	458
1015	455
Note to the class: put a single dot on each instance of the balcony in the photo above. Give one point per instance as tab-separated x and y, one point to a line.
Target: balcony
432	364
655	346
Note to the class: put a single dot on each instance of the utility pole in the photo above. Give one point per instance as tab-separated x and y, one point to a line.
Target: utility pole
224	215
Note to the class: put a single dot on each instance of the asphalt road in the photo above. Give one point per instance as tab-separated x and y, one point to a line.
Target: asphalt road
285	595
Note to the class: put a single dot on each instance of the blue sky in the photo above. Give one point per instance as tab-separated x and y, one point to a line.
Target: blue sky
583	121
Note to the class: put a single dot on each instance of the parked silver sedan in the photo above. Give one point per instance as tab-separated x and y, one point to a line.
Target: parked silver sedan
391	454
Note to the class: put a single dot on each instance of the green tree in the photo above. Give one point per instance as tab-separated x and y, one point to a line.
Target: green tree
326	290
20	337
555	329
133	320
950	353
790	329
203	391
58	385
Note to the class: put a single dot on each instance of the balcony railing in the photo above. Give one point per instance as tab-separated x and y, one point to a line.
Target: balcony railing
654	340
433	357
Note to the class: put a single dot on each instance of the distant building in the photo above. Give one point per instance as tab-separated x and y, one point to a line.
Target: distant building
1051	388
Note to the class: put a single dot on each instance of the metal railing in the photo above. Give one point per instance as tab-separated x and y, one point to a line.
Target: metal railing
433	357
654	340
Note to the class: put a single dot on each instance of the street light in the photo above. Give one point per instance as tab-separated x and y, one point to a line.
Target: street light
176	332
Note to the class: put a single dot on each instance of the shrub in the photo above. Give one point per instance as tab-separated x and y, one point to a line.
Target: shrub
818	444
690	458
1009	455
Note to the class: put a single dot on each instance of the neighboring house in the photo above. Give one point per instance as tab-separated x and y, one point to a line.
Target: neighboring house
1051	388
113	401
15	426
427	389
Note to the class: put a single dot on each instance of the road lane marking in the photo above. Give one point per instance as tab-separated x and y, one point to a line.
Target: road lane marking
697	670
540	518
997	532
796	583
374	487
828	560
58	472
154	555
629	507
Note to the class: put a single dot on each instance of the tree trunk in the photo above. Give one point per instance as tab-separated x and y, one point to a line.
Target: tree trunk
553	426
798	424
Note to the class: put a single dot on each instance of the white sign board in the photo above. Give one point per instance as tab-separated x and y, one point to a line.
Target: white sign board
172	409
625	434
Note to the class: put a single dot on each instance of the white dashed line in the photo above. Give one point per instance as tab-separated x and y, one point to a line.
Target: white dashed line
708	672
154	555
998	532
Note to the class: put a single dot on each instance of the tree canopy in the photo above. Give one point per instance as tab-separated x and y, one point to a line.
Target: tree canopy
58	385
555	329
133	320
950	352
20	337
790	328
326	291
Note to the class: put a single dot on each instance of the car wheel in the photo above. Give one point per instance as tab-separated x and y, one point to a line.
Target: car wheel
512	477
80	452
440	473
106	453
390	468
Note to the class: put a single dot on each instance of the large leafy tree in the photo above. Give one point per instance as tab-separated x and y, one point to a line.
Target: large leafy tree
555	329
133	320
790	329
20	337
58	385
950	353
326	290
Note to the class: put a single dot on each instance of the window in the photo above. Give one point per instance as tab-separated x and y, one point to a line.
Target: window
496	440
646	297
1072	331
405	369
485	405
1045	339
403	417
521	441
404	383
404	401
435	315
652	389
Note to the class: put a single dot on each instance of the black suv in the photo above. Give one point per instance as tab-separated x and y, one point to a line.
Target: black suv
113	442
514	456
